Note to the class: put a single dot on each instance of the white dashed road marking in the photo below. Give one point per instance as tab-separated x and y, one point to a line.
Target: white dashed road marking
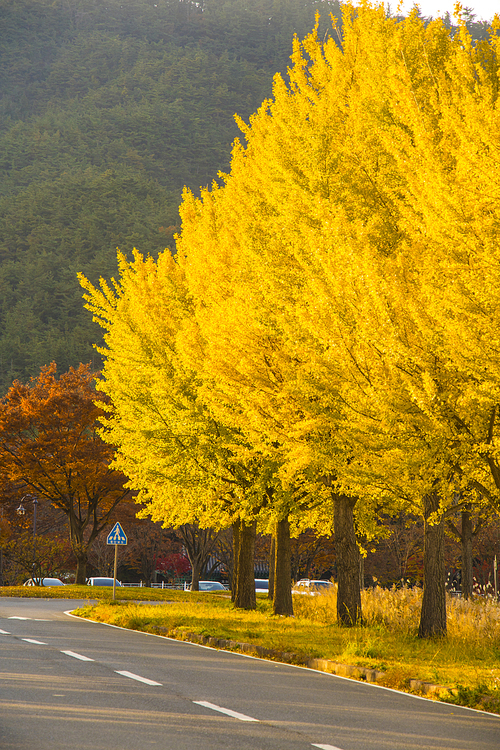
226	711
32	640
76	656
35	619
146	681
138	678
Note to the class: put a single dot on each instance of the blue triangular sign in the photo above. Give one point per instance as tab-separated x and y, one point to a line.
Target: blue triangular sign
117	535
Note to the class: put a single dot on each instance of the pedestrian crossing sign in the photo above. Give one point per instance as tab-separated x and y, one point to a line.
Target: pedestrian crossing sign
117	535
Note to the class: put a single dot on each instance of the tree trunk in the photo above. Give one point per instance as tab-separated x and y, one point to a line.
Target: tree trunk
272	565
195	573
80	551
347	553
236	553
81	568
433	613
198	544
282	600
245	590
466	539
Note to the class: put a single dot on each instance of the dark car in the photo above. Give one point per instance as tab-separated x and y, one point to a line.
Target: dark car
262	585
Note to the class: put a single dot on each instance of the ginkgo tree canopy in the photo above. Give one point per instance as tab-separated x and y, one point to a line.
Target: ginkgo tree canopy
186	465
345	272
331	317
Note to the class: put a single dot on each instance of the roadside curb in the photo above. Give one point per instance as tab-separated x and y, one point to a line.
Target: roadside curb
329	666
429	688
287	657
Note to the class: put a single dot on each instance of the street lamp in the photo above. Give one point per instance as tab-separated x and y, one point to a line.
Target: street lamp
35	505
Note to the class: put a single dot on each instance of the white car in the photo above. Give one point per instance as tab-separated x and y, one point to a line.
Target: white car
207	586
313	588
101	581
44	582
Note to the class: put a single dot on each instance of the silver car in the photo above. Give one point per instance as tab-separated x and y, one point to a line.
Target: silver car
313	588
44	582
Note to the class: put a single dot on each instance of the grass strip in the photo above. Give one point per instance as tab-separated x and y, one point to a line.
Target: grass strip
72	591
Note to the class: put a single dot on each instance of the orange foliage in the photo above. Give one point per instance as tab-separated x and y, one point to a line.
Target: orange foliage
49	443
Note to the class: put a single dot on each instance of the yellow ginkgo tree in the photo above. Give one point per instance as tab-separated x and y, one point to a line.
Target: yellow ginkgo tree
325	344
179	459
320	328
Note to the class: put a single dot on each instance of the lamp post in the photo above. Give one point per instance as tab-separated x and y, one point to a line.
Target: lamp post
495	577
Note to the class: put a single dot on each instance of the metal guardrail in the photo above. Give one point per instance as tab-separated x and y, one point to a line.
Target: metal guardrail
162	585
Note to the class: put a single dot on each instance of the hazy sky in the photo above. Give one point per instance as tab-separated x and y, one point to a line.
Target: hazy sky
484	9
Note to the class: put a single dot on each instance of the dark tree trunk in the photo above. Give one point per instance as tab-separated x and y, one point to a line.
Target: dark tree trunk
236	526
81	569
199	544
282	599
433	613
80	551
466	539
272	565
245	590
195	574
347	553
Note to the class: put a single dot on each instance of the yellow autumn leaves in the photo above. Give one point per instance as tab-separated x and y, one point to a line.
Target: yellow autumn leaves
333	307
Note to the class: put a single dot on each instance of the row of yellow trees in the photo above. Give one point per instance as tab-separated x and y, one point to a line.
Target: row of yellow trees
325	345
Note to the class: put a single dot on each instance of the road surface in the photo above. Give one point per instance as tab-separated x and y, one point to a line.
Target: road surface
68	683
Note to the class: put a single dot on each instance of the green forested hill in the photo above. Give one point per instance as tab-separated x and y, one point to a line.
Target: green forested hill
107	109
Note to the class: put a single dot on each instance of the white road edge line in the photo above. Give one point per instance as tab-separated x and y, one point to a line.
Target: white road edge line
326	747
77	656
32	640
15	617
137	677
4	632
226	711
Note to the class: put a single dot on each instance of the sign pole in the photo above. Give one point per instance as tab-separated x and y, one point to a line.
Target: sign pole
116	536
114	572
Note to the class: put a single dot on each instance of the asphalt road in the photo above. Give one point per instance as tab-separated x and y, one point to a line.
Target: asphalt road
68	683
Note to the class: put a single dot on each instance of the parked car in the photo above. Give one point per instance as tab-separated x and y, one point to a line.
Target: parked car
44	582
262	585
312	588
207	586
101	582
